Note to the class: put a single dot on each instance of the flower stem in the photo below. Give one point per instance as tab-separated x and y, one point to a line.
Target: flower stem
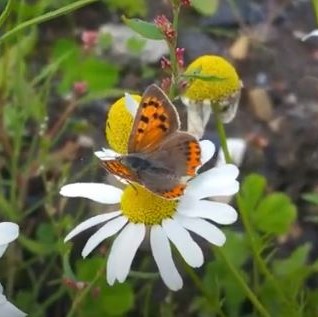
249	293
172	48
221	133
81	296
245	220
200	286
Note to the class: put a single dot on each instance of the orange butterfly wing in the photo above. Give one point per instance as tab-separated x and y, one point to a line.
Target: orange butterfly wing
156	118
117	168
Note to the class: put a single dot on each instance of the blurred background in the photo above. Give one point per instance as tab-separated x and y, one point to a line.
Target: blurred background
57	81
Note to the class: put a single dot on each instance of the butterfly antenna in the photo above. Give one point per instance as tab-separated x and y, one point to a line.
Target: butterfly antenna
133	186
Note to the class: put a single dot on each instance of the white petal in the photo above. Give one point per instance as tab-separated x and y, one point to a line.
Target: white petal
111	263
218	212
91	222
129	241
307	36
7	309
109	229
218	181
161	251
9	231
203	228
181	238
3	249
131	104
106	154
102	193
207	150
237	149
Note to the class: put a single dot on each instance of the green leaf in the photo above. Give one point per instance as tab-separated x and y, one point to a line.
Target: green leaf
35	246
131	8
145	29
112	300
274	214
252	190
311	197
294	262
135	45
236	248
45	233
205	7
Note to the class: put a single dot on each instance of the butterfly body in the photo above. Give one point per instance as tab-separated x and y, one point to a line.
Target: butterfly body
160	156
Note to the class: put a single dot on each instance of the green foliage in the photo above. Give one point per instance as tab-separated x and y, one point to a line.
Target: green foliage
78	66
110	301
146	29
205	7
131	8
135	45
311	197
271	214
39	272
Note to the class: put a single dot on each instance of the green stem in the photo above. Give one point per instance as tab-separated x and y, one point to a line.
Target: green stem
81	295
221	133
200	286
172	49
4	15
249	293
46	17
315	5
244	217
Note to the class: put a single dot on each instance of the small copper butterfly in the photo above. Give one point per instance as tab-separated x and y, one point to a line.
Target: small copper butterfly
160	156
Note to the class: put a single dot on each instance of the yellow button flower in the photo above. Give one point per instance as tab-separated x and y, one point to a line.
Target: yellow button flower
119	123
224	92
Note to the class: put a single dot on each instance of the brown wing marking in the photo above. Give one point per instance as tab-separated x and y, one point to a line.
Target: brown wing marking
156	118
175	192
193	157
117	168
180	152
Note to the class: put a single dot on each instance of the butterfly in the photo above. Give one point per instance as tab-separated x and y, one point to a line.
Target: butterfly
160	156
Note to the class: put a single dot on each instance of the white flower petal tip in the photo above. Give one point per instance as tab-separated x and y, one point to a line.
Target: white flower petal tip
91	222
102	193
218	181
237	150
109	229
9	231
106	154
184	243
161	251
7	309
203	228
309	35
207	150
131	104
220	213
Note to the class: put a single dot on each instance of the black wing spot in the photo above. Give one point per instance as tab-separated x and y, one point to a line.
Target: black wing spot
162	118
162	127
140	130
144	119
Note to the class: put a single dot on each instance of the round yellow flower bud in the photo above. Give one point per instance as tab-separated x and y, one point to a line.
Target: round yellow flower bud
225	92
214	90
119	124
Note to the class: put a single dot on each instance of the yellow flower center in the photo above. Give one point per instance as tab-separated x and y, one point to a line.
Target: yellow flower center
140	205
213	90
119	124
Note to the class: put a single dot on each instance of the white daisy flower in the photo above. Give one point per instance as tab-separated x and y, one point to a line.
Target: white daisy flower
166	220
309	35
8	232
